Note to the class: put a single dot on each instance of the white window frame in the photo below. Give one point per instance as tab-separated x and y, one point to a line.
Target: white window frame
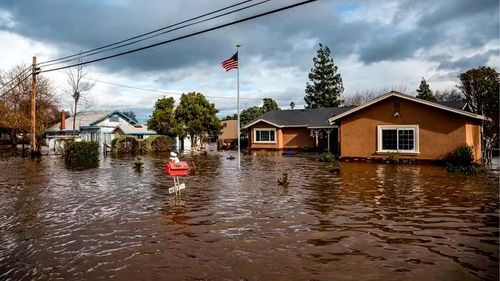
416	133
264	129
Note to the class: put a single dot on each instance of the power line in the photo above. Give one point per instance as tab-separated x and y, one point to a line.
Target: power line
12	88
158	34
186	36
169	93
15	77
148	33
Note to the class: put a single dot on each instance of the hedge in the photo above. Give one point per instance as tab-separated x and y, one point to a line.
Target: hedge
131	145
159	144
125	145
85	153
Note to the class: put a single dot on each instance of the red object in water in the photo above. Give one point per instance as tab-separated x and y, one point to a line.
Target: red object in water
176	169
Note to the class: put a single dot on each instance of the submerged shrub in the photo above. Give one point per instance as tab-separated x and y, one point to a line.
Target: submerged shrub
326	157
283	180
393	158
159	144
461	160
138	164
81	153
462	156
125	145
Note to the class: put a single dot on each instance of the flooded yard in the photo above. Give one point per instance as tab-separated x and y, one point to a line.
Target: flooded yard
366	222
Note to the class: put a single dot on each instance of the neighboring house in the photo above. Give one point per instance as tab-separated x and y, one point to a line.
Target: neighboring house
411	127
137	131
295	129
90	126
229	136
392	123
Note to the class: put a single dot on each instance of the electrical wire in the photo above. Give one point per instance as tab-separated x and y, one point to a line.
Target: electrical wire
158	34
15	77
170	93
12	88
185	36
148	33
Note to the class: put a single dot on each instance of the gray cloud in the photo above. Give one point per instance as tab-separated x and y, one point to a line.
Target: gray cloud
467	62
80	24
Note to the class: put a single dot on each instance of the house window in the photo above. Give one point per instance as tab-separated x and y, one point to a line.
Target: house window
114	119
398	138
265	135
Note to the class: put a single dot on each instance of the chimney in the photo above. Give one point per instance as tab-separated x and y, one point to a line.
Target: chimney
63	120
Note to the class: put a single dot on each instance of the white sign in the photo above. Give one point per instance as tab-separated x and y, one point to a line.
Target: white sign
176	188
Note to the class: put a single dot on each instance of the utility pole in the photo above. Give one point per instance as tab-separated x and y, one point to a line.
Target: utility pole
33	107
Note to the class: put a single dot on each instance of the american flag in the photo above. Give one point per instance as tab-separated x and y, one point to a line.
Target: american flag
230	63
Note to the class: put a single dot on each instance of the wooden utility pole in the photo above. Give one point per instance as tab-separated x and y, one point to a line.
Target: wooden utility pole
33	107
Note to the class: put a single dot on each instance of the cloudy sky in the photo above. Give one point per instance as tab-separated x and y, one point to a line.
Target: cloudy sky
376	45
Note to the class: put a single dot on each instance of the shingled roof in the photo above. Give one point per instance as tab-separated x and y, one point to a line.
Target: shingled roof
462	105
314	117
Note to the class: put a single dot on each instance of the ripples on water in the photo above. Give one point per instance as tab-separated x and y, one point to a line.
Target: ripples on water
368	222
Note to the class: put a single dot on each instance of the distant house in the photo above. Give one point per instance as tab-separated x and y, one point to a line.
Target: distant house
229	136
394	123
90	126
295	129
102	127
137	131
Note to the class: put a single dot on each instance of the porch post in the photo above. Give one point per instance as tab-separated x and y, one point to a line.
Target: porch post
328	131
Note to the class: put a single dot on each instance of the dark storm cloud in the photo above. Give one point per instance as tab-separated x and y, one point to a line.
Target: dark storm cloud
468	62
464	23
85	24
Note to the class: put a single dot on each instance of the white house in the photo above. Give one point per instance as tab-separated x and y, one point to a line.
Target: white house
90	126
101	127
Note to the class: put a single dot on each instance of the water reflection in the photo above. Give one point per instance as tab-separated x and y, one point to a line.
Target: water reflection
364	222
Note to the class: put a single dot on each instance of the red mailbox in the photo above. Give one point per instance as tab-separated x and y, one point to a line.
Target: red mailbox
176	169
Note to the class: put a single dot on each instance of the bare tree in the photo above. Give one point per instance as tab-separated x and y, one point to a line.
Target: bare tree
363	96
449	95
79	86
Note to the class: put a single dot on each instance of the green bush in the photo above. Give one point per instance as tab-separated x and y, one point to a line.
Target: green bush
85	153
393	158
461	160
462	156
125	145
326	157
158	144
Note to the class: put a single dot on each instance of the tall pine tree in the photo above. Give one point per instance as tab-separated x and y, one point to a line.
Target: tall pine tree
424	91
325	87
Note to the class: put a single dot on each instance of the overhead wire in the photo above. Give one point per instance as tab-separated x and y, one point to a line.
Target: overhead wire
148	33
15	77
185	36
13	87
158	34
170	93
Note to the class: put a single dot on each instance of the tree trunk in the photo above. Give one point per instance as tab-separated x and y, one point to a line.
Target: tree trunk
74	119
13	138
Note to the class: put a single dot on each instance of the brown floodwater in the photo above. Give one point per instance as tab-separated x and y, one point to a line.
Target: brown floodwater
364	222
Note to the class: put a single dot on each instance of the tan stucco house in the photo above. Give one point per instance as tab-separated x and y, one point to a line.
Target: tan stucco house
392	123
229	134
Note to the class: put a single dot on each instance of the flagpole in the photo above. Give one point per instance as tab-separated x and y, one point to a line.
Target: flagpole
238	101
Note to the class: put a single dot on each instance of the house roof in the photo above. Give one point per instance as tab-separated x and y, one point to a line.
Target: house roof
410	98
86	119
134	130
462	105
314	117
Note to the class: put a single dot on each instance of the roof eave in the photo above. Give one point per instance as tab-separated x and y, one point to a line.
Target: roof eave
400	95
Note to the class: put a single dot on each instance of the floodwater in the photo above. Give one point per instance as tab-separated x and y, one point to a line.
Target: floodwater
366	222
